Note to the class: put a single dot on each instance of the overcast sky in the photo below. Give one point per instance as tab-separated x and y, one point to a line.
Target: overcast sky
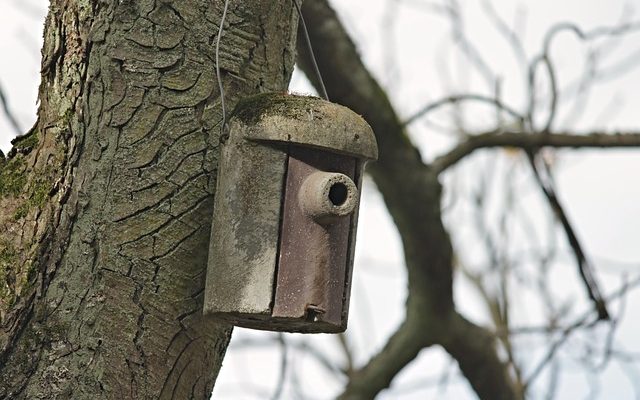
404	44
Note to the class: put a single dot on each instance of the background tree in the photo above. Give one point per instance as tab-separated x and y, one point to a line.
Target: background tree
117	237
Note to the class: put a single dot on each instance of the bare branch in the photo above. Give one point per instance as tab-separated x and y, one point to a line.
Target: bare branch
545	58
299	345
473	348
585	268
509	34
13	121
585	320
468	48
588	35
528	141
615	323
283	367
348	353
403	346
460	98
431	7
553	103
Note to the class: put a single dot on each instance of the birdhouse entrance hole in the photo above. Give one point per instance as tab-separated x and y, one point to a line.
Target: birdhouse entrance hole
338	194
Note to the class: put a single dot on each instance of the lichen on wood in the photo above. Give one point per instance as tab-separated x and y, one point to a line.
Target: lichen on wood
251	109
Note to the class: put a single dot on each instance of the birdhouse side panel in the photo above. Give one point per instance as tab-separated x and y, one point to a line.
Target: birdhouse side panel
245	229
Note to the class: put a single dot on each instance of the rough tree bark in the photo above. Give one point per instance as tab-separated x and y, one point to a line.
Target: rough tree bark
105	205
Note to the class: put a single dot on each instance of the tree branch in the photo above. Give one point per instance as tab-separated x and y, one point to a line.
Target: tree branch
412	193
585	268
402	348
13	121
463	97
474	349
528	141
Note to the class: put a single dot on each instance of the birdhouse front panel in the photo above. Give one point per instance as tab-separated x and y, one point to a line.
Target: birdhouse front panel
285	214
314	249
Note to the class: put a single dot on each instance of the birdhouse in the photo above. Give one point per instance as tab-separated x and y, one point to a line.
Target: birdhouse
285	214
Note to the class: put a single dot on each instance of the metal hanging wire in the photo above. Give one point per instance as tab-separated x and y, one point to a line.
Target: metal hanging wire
323	90
218	75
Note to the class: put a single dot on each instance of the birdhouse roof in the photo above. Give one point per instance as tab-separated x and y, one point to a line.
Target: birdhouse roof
305	121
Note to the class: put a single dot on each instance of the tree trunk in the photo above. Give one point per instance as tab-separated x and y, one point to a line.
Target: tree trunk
105	206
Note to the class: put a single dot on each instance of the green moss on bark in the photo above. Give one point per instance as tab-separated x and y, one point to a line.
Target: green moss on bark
8	258
24	144
12	177
251	109
37	194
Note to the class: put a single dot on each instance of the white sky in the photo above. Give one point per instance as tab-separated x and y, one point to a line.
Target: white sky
600	188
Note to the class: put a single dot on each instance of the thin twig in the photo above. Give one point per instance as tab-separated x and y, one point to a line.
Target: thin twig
459	98
583	321
545	57
588	35
615	323
283	367
585	268
553	103
13	121
472	53
301	346
509	34
348	353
